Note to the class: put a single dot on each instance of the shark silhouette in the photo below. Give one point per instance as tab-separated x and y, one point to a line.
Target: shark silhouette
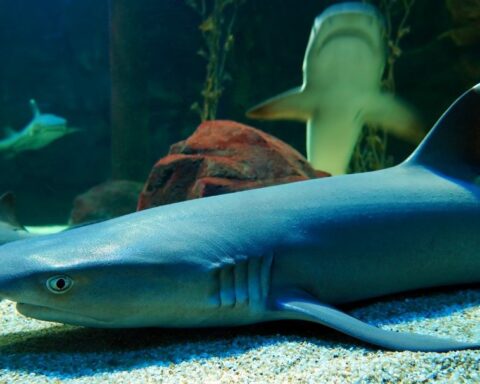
342	71
40	132
10	227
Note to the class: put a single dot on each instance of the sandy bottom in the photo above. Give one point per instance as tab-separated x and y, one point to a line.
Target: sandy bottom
39	352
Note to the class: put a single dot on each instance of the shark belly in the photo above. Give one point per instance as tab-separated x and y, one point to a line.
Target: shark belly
331	147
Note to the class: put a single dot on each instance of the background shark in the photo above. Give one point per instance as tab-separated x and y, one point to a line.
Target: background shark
41	131
10	227
342	71
292	251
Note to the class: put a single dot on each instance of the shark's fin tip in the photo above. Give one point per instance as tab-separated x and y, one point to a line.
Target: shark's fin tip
453	145
290	105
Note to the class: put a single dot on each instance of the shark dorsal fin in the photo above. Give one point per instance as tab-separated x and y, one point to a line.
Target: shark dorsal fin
7	209
35	109
453	144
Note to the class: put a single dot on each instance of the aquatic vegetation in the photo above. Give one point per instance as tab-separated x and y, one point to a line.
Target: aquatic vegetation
371	150
466	16
218	19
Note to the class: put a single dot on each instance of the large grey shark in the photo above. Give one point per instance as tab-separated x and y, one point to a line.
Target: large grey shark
41	131
294	251
342	72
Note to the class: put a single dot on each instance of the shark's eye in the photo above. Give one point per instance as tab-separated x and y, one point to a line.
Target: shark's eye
59	284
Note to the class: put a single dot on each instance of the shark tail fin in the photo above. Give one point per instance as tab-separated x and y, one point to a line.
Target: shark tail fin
35	109
453	144
294	104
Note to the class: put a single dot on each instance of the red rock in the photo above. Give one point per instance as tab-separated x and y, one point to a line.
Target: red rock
223	156
105	201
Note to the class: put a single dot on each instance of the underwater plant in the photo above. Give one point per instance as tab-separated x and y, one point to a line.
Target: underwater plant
218	19
371	150
466	18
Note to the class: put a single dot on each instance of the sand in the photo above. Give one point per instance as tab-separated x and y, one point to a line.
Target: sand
32	351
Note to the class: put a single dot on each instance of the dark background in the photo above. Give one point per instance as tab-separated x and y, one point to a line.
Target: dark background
57	52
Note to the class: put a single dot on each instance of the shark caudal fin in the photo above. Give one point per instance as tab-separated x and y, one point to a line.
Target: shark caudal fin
453	144
294	104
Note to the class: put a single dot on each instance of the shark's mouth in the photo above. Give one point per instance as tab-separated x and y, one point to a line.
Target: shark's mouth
59	316
350	32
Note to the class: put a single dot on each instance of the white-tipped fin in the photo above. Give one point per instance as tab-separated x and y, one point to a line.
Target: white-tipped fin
291	105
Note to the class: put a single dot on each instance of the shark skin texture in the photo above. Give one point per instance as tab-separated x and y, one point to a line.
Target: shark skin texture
294	251
42	130
342	71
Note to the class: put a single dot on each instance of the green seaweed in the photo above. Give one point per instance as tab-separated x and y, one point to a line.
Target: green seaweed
218	19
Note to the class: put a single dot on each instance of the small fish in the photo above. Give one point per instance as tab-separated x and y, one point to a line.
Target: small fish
40	132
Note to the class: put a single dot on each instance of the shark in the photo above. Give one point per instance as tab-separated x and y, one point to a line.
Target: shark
42	130
10	227
298	251
341	90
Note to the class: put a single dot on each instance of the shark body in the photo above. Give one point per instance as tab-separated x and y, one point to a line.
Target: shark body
294	251
342	71
40	132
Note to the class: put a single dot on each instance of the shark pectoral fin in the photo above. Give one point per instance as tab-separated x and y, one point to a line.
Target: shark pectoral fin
395	117
304	307
291	105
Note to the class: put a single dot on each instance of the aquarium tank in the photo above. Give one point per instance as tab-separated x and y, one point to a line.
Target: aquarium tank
95	95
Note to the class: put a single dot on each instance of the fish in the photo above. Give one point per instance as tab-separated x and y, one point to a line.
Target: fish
42	130
10	227
341	90
298	251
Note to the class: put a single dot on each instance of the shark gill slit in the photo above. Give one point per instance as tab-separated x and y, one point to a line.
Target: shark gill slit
246	281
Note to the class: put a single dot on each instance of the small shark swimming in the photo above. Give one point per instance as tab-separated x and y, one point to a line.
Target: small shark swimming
41	131
294	251
342	71
10	227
